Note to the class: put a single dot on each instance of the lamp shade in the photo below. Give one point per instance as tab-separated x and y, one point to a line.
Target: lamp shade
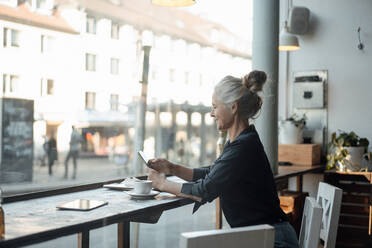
173	3
288	41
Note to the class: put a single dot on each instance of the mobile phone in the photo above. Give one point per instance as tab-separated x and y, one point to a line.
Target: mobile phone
144	158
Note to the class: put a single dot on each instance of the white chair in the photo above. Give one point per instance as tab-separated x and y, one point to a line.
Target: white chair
251	236
329	198
310	225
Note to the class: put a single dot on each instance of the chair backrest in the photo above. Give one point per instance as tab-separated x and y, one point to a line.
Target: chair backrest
329	198
251	236
310	226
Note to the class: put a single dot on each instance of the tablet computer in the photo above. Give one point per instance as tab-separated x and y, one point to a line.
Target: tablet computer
144	158
81	204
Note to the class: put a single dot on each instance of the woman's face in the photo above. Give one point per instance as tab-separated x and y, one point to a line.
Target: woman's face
222	114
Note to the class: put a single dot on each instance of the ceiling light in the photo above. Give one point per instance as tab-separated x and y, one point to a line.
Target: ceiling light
173	3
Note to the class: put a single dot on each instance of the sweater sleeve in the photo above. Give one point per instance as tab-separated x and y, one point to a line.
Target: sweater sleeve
199	173
223	174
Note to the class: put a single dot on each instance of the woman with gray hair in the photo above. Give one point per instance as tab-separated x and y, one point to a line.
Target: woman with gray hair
241	176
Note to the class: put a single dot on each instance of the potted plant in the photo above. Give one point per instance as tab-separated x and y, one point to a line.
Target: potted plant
290	130
345	151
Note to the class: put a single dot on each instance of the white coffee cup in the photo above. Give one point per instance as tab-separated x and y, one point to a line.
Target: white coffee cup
142	187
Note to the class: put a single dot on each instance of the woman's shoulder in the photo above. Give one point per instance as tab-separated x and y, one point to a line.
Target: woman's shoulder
249	135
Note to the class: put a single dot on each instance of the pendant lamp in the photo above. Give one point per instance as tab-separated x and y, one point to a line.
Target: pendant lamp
173	3
288	41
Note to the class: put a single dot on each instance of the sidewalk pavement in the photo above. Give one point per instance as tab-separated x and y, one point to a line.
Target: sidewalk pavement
89	170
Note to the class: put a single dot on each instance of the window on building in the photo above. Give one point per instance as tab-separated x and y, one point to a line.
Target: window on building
115	28
46	87
13	83
10	37
4	83
46	44
10	83
91	25
90	62
50	87
171	75
114	66
90	100
114	102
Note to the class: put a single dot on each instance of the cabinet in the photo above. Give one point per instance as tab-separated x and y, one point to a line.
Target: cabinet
354	228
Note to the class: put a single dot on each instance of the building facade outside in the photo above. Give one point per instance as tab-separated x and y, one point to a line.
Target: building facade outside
80	63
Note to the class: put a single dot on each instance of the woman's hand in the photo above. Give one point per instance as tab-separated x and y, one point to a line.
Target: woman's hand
158	179
161	165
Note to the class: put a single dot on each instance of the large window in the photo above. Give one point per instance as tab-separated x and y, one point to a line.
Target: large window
90	62
80	63
10	37
90	100
114	66
91	25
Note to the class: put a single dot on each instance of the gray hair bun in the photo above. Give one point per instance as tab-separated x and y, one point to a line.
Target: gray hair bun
254	81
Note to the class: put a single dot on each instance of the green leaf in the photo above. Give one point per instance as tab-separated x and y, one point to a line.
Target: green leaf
333	136
363	142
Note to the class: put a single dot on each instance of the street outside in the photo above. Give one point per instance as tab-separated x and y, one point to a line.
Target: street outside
89	170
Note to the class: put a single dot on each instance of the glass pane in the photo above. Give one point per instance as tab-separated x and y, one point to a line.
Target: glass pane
15	38
4	83
50	87
5	37
114	66
115	31
13	83
75	116
104	109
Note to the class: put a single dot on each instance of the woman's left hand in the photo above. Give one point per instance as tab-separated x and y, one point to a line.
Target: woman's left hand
158	179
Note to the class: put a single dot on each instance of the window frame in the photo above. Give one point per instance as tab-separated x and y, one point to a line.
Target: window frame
91	25
115	31
172	75
90	65
9	85
114	66
114	102
90	96
11	37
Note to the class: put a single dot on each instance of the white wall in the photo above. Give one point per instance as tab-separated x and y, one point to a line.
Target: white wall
331	44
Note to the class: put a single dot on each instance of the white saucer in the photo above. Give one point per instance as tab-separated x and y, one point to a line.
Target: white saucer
118	186
142	196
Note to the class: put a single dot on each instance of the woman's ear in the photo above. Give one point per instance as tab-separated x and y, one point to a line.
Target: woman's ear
234	108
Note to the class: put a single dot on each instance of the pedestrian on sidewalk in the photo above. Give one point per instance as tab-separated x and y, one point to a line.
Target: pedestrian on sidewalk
45	147
75	142
51	147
